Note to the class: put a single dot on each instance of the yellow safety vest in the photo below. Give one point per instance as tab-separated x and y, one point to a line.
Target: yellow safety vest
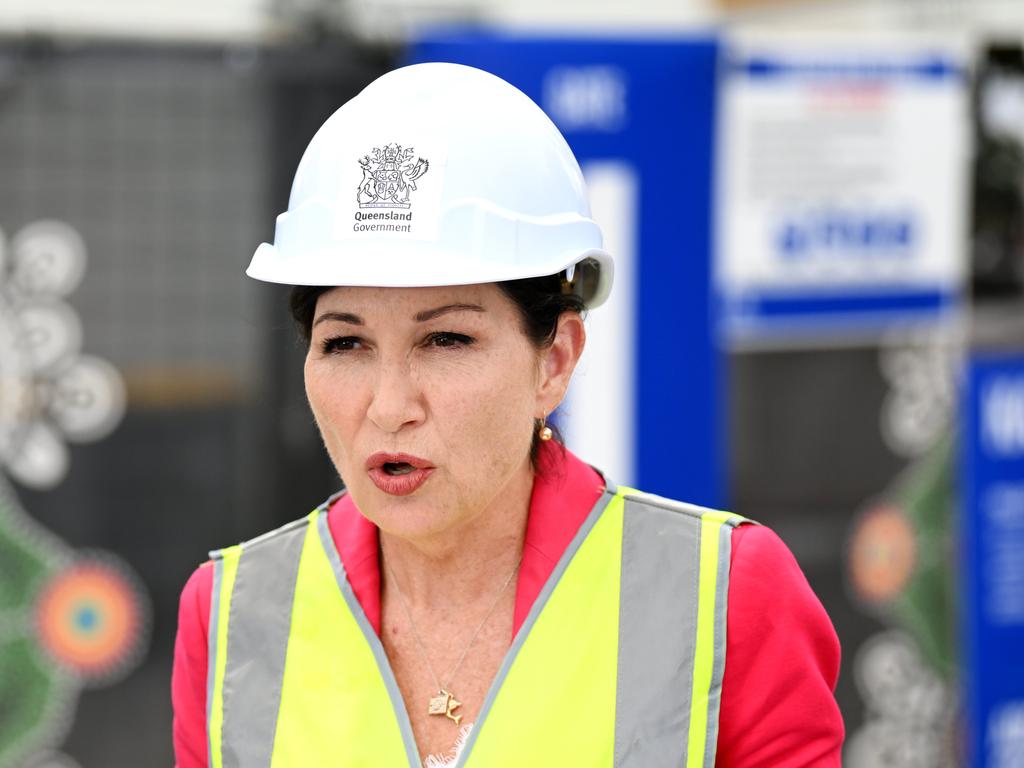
619	662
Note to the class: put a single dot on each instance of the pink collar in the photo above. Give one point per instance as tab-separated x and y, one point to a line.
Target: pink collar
563	495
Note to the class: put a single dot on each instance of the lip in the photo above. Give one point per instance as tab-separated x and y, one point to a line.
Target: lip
398	485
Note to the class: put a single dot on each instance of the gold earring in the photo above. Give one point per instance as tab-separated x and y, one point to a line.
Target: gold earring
544	433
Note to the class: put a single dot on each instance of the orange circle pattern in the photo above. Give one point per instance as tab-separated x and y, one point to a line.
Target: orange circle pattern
883	554
88	618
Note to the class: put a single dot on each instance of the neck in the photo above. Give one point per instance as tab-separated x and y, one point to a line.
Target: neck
462	566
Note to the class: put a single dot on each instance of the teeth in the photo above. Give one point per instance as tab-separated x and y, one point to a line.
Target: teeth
398	469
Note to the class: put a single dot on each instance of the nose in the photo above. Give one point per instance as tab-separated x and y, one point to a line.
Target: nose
397	401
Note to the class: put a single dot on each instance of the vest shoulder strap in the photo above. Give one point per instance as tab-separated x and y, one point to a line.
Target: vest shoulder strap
263	541
666	545
651	501
262	570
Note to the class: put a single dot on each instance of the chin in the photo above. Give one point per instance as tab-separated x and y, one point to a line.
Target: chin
409	517
411	521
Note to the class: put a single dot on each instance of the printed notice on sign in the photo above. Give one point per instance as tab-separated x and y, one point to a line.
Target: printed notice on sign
841	194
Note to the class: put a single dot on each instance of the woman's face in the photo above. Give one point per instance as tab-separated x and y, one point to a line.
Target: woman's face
426	399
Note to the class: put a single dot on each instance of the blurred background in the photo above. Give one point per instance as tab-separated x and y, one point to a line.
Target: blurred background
817	211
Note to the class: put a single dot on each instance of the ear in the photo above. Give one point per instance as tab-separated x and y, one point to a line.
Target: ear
559	361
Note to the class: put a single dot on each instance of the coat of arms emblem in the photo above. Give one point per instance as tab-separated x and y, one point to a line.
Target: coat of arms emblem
389	174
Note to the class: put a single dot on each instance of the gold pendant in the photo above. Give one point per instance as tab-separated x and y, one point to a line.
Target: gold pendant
445	704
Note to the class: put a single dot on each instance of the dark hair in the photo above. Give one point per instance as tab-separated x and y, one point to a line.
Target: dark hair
540	301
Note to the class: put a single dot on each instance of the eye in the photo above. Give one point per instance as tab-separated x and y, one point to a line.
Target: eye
448	339
340	344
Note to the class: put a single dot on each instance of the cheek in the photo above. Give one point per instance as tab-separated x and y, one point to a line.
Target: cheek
486	412
333	402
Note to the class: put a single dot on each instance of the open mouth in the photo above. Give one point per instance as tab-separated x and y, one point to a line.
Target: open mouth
398	474
396	469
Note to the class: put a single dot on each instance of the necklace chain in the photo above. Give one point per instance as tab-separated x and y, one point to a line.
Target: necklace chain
472	639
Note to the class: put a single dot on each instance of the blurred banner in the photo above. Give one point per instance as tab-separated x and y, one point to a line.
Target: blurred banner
842	177
992	526
639	115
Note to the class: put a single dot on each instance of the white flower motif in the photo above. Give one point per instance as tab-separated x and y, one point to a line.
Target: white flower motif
919	366
50	392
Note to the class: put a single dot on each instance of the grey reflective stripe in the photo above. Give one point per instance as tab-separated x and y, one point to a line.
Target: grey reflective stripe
531	619
657	635
721	614
211	631
383	665
259	625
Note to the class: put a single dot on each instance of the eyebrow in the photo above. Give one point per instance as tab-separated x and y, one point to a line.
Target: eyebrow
341	317
419	317
430	314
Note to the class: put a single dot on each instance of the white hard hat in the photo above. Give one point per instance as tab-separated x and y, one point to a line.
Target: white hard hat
437	174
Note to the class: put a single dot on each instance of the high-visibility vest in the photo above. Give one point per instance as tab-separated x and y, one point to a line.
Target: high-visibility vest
618	663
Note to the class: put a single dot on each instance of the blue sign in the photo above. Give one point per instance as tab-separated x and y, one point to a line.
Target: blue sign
993	559
639	115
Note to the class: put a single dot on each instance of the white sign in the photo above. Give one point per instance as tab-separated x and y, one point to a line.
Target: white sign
842	187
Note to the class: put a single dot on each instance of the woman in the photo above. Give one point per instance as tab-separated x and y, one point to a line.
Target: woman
478	595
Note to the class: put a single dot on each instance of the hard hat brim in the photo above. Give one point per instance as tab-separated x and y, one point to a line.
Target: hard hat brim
411	266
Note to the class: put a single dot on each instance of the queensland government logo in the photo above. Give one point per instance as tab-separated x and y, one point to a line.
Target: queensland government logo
389	175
